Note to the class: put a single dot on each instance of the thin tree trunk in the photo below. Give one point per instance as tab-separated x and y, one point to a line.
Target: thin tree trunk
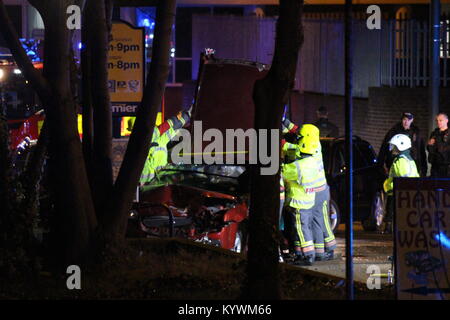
140	138
75	220
97	44
270	94
86	83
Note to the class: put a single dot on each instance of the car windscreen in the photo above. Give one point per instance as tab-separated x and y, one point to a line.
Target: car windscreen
363	155
367	153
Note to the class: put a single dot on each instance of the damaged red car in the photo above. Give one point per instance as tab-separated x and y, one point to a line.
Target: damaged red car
207	203
204	203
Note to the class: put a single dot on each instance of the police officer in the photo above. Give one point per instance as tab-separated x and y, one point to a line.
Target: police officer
405	126
439	147
157	156
402	166
299	177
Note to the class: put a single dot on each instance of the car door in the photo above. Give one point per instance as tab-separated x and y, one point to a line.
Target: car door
363	178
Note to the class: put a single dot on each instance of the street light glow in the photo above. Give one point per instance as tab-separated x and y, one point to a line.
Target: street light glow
2	73
17	71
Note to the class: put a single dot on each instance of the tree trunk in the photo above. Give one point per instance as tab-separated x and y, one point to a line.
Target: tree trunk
270	94
87	107
140	138
97	25
75	221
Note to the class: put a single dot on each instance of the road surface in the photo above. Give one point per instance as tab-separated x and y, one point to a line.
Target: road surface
370	249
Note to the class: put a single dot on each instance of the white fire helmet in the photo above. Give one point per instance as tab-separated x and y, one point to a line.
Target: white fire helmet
401	141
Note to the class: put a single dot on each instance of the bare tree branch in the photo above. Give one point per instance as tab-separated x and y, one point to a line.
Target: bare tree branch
87	94
12	39
141	135
96	24
109	6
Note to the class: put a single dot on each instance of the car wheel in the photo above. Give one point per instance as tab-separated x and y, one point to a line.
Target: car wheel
334	215
377	213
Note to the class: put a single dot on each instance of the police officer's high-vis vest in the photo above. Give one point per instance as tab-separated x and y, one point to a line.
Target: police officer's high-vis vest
402	166
300	177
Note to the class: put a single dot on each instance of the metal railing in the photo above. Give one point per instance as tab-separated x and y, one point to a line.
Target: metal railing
174	81
406	60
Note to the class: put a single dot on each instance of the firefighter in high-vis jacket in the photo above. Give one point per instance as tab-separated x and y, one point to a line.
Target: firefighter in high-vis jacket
300	176
324	240
157	156
402	166
288	151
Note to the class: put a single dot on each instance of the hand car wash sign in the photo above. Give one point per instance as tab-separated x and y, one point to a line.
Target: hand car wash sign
422	238
126	68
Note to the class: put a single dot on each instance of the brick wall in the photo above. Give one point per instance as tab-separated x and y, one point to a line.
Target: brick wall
305	105
372	117
387	104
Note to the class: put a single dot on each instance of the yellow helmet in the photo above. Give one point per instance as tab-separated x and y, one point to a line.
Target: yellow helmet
309	130
309	145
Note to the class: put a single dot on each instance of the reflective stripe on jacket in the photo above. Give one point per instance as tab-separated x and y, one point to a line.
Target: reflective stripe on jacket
288	126
299	176
157	156
321	180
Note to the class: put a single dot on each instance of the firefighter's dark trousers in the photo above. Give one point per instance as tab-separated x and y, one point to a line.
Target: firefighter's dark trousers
323	236
302	235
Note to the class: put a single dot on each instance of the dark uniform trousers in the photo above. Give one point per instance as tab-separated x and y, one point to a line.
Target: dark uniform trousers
300	230
323	236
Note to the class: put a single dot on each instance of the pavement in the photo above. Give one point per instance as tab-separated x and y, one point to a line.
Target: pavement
370	256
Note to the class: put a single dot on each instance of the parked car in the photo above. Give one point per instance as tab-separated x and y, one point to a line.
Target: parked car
368	181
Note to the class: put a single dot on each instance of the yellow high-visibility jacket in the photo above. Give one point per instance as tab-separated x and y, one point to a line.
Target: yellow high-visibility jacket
157	156
300	177
403	166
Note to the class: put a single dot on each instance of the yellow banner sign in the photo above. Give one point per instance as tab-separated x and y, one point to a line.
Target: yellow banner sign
126	63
